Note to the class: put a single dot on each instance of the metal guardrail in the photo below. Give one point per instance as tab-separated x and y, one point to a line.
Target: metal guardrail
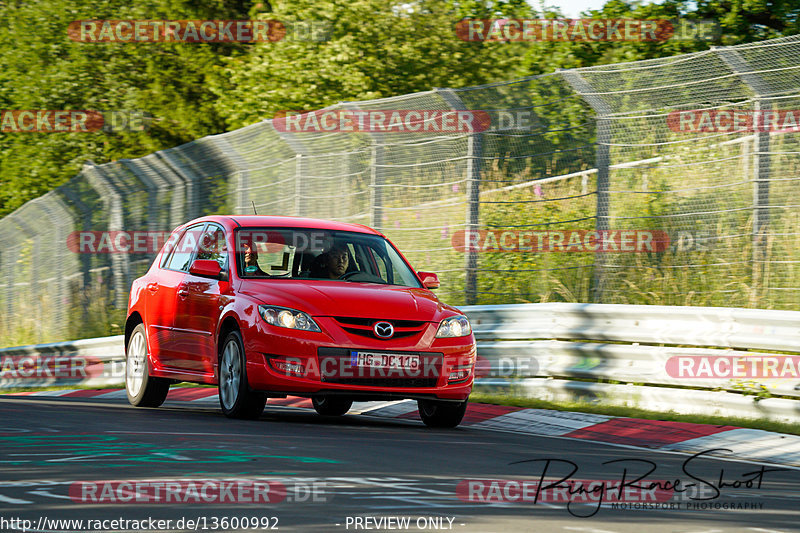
557	351
96	362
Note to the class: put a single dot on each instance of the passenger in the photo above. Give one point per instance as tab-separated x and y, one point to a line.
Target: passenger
331	264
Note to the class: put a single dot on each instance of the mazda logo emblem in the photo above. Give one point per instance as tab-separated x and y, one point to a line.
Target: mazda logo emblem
384	330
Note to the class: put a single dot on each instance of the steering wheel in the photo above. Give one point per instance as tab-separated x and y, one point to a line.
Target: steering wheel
348	275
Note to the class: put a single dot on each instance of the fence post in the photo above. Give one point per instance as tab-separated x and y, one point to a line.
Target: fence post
761	162
242	186
376	185
472	221
180	189
300	150
602	162
86	225
112	198
59	251
29	232
190	207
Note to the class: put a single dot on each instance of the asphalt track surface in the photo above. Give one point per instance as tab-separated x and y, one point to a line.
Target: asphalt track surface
343	474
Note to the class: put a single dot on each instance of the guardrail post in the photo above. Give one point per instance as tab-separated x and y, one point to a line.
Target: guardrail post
761	162
602	162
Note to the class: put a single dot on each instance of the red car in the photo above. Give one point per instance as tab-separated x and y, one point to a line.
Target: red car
275	306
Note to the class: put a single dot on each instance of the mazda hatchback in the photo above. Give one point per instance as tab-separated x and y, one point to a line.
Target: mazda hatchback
274	306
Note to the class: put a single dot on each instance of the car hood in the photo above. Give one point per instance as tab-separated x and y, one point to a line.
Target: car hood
351	299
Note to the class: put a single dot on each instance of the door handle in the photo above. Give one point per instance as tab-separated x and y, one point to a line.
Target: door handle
152	287
183	293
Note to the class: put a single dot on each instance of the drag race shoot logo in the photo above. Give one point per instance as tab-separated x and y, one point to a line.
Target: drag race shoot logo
732	367
66	121
636	241
733	120
383	121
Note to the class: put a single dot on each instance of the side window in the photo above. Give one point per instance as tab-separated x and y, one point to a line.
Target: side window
183	252
212	246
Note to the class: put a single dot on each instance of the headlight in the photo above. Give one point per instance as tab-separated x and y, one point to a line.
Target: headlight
287	318
455	326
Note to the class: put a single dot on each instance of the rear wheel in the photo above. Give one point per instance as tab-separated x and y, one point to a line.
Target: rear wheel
331	405
235	397
143	389
438	414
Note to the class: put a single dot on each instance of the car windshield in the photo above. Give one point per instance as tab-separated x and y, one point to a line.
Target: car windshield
304	253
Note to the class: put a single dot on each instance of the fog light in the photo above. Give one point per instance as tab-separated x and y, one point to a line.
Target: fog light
290	368
459	374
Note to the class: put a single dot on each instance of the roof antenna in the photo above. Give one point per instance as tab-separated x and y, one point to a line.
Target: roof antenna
254	207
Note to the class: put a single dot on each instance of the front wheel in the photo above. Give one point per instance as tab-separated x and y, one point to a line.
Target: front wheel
438	414
143	389
331	405
235	396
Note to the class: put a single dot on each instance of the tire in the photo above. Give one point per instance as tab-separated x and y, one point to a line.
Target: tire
143	389
438	414
331	405
235	397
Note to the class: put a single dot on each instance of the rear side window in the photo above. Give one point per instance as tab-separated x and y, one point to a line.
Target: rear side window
183	252
212	246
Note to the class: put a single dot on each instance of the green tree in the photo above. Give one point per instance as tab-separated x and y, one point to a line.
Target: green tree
43	69
377	48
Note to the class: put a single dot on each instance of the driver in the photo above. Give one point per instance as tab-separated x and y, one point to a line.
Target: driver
331	264
250	257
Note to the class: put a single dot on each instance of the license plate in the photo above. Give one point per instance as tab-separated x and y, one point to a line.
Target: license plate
384	360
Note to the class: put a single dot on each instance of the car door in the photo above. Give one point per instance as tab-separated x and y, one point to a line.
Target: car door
162	300
197	307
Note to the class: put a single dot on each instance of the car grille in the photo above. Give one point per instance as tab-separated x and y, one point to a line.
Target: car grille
363	326
335	367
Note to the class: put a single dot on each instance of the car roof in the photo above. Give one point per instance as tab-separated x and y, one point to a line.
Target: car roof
258	221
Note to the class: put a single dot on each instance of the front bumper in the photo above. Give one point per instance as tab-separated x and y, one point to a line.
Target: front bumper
301	363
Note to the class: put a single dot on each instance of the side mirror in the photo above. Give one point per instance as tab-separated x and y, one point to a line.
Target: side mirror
429	280
207	268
